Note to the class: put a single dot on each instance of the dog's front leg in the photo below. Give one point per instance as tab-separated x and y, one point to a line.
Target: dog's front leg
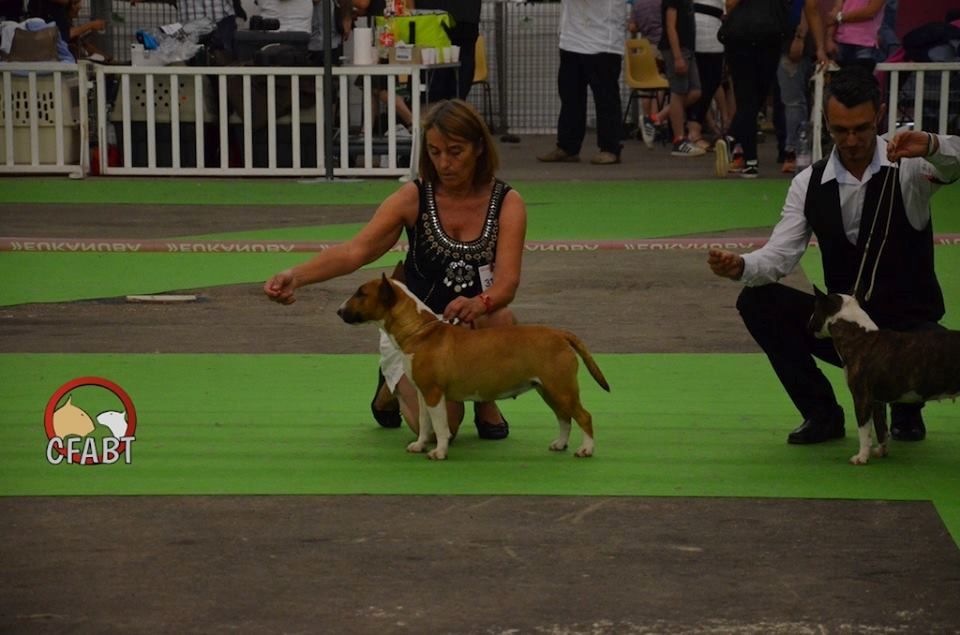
423	435
441	429
864	411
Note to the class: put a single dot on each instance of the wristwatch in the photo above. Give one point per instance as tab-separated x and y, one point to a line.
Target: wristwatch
839	18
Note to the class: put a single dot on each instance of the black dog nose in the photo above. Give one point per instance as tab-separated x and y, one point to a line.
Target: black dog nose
340	311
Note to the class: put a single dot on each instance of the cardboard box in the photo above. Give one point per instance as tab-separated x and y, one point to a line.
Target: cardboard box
403	54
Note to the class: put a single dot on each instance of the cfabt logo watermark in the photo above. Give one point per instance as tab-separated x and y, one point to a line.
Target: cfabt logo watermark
90	421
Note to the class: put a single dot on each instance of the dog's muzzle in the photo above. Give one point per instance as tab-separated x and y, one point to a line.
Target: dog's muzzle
348	316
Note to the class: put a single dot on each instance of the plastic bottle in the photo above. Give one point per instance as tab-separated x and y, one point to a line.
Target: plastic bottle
804	150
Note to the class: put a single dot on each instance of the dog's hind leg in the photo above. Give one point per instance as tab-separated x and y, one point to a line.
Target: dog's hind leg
880	428
585	421
560	443
567	406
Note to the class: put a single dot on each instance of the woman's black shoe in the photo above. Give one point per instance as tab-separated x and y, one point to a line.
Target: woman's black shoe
386	418
491	431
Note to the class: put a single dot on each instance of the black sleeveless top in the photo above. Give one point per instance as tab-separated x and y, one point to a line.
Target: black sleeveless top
439	268
906	291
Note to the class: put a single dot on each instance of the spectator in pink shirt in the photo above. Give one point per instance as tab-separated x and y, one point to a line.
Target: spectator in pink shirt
852	28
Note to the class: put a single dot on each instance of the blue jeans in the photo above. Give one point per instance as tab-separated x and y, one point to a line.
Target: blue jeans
793	78
852	52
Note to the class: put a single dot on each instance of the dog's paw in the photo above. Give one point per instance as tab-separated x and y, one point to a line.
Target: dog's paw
583	452
558	445
436	454
416	447
860	459
880	451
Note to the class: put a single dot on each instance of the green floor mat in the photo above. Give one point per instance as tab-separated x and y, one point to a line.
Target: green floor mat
274	424
558	209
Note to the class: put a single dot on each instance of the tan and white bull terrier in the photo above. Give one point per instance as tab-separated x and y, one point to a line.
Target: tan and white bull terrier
446	362
884	366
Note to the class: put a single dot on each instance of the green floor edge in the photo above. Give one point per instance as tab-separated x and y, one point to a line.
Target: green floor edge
673	425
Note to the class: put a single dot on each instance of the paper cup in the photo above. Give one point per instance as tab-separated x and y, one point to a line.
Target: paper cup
454	54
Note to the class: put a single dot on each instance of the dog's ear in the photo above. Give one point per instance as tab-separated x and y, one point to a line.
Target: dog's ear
386	292
398	273
817	293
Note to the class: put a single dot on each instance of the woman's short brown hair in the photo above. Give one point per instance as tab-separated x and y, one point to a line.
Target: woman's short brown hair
457	119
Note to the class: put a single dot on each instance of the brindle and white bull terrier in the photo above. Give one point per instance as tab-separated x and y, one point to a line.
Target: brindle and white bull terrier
446	362
884	366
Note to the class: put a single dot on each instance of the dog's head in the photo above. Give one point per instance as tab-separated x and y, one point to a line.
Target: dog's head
370	303
831	307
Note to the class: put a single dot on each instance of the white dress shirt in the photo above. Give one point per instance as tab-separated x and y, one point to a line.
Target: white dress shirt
593	26
919	179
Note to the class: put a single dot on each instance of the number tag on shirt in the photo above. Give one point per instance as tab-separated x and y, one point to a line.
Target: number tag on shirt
486	277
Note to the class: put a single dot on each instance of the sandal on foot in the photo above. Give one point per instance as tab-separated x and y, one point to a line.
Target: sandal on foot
491	431
386	418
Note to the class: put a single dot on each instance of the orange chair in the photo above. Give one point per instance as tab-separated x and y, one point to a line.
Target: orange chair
481	75
643	76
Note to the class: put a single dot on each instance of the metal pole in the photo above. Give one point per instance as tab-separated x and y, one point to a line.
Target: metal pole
329	30
500	29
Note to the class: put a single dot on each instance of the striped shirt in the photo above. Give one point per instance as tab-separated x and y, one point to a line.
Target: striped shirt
216	10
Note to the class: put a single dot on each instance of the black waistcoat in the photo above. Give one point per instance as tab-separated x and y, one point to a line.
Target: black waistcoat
905	290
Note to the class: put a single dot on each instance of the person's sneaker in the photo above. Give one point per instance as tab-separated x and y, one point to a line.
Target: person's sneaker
648	132
605	158
789	163
558	155
750	170
721	160
683	148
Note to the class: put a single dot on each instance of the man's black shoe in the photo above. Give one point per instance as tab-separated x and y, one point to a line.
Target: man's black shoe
818	431
907	427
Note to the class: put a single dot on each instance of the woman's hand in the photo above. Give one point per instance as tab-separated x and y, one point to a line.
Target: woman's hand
280	287
464	309
680	65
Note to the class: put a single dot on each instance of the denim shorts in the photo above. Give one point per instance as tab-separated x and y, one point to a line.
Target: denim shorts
682	84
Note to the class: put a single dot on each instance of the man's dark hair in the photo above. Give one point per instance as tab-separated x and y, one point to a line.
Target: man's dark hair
853	85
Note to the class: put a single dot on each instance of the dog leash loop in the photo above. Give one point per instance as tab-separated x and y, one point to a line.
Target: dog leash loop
892	169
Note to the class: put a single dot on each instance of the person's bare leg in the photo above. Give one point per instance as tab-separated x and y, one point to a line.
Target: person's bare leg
403	111
407	396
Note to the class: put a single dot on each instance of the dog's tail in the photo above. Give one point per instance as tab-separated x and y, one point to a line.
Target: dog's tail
584	354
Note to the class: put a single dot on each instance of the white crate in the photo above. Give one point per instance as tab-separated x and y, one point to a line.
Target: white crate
45	120
161	99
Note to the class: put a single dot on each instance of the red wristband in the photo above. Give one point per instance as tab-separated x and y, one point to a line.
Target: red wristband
487	302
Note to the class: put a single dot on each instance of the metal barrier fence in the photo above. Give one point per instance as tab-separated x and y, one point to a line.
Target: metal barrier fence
934	106
214	121
247	121
521	39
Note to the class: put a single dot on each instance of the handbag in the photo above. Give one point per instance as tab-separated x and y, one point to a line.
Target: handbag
34	46
430	29
762	21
